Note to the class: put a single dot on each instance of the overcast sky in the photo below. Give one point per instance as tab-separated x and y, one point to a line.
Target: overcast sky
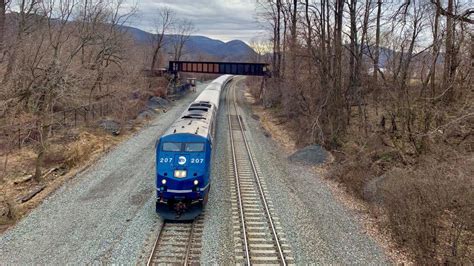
219	19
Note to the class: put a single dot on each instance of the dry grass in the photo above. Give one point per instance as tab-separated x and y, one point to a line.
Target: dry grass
85	147
67	159
272	125
430	209
424	202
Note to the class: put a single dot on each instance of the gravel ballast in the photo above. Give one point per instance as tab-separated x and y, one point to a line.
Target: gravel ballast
102	215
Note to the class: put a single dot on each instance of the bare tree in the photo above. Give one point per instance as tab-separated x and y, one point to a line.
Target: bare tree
272	14
163	26
354	92
261	48
377	41
338	118
465	16
431	77
450	56
42	68
451	61
26	22
3	9
104	40
183	31
277	38
335	42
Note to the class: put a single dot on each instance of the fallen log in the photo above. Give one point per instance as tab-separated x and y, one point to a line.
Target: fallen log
31	194
49	172
23	179
29	177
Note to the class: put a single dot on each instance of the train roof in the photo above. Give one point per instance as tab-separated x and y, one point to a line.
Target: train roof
197	117
195	120
213	91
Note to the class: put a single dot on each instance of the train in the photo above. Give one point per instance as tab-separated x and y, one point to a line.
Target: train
183	157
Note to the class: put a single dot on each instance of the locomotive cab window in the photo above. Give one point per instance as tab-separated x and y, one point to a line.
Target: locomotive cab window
194	147
172	146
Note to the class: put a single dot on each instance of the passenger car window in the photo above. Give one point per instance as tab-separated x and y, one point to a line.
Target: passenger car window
172	146
194	147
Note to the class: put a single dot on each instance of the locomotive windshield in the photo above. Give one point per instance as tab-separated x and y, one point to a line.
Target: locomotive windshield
172	146
194	147
188	147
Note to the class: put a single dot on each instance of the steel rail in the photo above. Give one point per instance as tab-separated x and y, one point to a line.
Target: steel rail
257	179
236	175
155	245
188	245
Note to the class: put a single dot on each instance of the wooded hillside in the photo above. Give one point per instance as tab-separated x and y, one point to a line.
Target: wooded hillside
62	64
388	87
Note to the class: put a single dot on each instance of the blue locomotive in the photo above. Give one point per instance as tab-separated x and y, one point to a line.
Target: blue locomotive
183	157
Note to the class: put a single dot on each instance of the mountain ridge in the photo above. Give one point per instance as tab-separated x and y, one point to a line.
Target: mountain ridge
199	46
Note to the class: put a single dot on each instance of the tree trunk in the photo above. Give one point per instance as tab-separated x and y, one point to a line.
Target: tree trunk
44	131
448	75
325	45
278	40
434	53
292	88
284	46
274	56
472	50
39	164
338	116
377	40
353	48
310	35
5	164
2	24
155	58
293	39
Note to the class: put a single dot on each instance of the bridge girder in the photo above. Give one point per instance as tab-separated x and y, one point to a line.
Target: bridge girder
232	68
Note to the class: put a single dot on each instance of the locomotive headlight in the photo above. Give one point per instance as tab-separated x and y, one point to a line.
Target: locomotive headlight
163	181
180	173
196	182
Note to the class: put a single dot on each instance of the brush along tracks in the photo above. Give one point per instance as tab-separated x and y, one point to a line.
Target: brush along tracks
258	236
178	243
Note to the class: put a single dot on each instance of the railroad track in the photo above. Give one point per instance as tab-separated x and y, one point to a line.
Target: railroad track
258	236
178	243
